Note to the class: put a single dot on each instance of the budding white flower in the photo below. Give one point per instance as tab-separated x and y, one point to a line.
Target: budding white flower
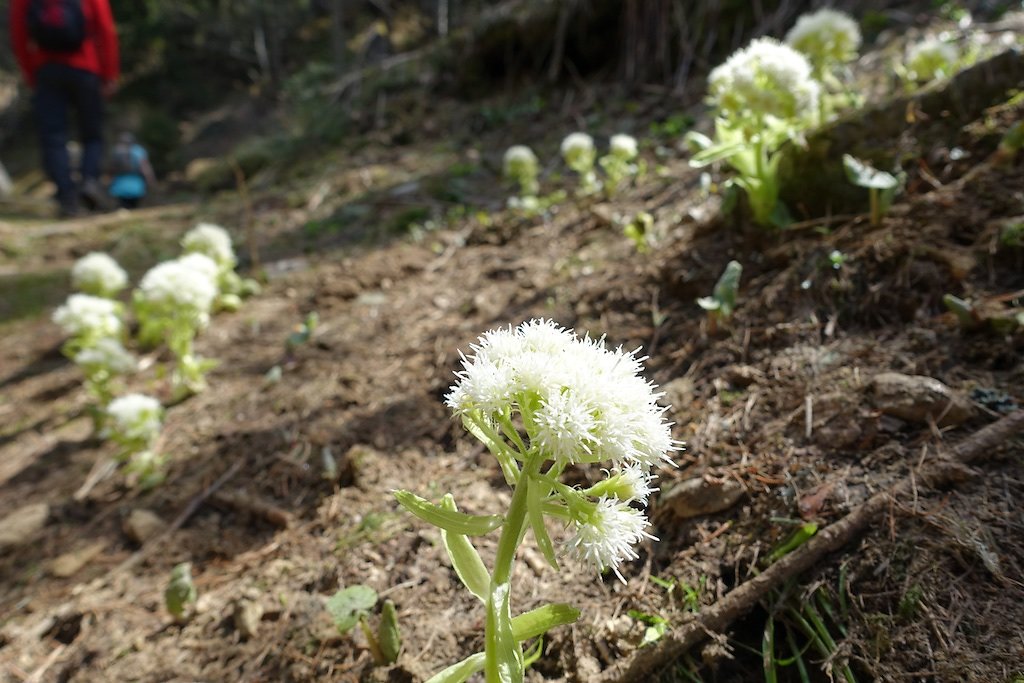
931	59
84	315
98	274
134	419
606	536
580	402
624	146
766	78
201	263
826	37
211	240
108	354
179	284
578	151
519	160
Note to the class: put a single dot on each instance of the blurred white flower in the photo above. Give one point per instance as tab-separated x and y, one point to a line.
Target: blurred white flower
98	274
179	284
624	146
827	37
201	263
134	419
606	536
579	152
932	58
212	241
107	354
87	316
520	165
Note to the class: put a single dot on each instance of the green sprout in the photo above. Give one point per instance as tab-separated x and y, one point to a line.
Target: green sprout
882	187
640	231
350	606
180	594
722	302
619	164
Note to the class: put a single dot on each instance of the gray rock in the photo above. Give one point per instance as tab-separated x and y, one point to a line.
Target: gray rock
142	525
697	497
20	526
916	398
247	615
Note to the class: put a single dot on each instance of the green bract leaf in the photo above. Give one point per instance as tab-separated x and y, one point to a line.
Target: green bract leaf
388	635
863	175
535	513
465	559
449	520
458	673
346	605
541	620
507	664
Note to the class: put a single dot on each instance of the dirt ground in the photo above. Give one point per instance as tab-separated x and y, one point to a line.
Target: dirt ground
278	490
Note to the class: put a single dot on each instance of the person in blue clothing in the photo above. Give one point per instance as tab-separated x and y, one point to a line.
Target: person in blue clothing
130	170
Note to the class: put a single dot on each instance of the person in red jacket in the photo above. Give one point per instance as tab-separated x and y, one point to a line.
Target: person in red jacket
67	51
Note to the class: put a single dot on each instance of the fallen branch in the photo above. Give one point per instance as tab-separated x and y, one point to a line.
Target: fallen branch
718	617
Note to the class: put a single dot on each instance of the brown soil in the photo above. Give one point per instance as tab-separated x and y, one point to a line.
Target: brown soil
778	401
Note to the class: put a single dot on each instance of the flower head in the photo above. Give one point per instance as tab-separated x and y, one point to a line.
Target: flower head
579	401
109	355
98	274
135	419
84	315
212	241
578	151
764	79
931	59
606	536
520	165
827	37
184	284
624	146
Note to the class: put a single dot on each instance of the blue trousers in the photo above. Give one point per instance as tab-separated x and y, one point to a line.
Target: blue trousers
58	89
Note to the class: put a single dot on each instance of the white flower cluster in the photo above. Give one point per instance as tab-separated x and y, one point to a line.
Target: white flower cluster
826	37
107	354
579	402
86	316
764	79
578	151
212	241
932	58
520	164
187	283
98	274
624	146
135	419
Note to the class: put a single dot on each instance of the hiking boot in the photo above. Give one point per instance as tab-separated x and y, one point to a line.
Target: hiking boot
93	195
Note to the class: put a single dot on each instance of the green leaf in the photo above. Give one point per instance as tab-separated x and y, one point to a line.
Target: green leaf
460	672
498	449
507	664
465	559
541	620
535	513
531	656
449	520
863	175
709	303
346	605
797	539
388	634
716	153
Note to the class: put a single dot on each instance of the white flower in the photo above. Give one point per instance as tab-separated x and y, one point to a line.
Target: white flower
84	315
98	274
931	59
607	536
108	354
201	263
826	37
211	240
135	418
766	78
580	402
178	284
632	482
519	160
624	146
578	151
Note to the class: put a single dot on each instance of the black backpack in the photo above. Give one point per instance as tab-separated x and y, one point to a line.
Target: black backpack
57	25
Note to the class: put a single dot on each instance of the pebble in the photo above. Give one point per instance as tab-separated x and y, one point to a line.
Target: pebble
21	526
916	398
697	497
142	525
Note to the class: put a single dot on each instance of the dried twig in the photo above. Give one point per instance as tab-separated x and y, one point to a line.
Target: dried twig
718	617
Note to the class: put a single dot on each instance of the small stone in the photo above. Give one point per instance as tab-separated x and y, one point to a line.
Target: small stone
698	496
916	398
70	563
21	525
247	616
142	525
742	376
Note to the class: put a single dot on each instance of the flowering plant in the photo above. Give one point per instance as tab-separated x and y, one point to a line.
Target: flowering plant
931	59
214	242
85	319
520	165
765	94
173	302
101	362
134	422
619	164
579	153
828	38
98	274
541	399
